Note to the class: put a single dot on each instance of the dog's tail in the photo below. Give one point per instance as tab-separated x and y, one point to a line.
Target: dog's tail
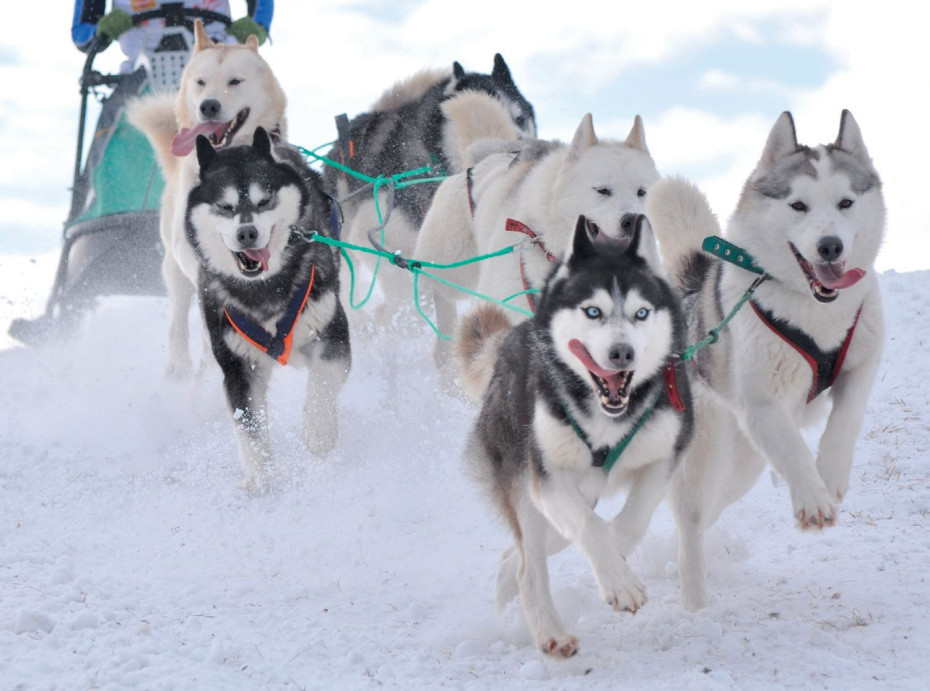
473	116
156	118
681	218
477	342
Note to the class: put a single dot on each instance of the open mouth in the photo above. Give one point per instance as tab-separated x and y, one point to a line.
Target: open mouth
827	278
220	134
612	388
252	262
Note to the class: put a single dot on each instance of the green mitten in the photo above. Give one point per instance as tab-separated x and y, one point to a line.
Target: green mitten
241	29
114	24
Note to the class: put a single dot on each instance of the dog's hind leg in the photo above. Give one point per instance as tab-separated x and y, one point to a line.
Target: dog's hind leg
329	361
533	578
180	294
508	586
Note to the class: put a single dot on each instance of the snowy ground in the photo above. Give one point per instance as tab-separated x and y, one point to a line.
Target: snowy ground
129	558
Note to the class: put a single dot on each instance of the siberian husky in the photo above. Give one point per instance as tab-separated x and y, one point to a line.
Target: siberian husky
267	295
407	129
536	188
577	402
811	335
227	91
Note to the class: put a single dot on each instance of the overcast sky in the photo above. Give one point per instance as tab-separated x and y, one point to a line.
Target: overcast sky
708	78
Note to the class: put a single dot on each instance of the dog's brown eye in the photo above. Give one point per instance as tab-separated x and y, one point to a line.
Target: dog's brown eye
603	191
201	82
235	82
641	192
845	203
799	206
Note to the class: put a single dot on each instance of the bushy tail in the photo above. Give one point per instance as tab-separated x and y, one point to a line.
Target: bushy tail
681	218
473	116
156	118
477	342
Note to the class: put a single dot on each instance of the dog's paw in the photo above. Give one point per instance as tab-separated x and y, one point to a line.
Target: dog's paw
256	485
319	439
814	508
627	598
561	646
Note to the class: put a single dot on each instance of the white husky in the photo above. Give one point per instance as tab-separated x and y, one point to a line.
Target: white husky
227	91
538	189
813	219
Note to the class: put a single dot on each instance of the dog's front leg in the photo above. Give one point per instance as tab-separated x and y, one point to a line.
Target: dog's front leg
647	489
850	394
778	437
246	394
561	502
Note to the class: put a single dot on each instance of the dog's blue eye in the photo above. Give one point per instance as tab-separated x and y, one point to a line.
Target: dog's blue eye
845	203
605	191
799	206
641	192
641	314
592	312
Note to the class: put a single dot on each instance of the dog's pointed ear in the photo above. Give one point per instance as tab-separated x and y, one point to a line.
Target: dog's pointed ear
261	141
458	72
584	138
850	137
582	242
783	140
643	244
202	39
252	42
636	139
501	73
205	153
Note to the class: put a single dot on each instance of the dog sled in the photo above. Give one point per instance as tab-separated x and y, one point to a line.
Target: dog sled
111	243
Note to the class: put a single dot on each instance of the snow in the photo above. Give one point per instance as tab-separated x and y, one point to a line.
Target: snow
129	557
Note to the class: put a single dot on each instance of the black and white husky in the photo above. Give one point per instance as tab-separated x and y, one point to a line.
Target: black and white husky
807	342
578	402
407	129
268	296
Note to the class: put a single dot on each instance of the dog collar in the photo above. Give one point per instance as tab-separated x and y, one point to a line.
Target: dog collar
279	344
825	365
729	252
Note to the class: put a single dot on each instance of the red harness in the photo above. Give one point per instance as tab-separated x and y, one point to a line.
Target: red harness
518	227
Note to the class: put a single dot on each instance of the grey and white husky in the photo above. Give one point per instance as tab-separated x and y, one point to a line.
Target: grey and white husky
267	295
578	402
808	341
407	129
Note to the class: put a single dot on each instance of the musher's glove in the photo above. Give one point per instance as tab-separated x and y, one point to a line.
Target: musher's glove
241	29
114	24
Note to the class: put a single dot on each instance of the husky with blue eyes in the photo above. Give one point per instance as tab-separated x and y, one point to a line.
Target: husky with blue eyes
268	296
530	192
806	344
583	400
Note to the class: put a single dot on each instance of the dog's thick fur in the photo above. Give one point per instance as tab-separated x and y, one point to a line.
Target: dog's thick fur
242	219
409	128
813	219
594	353
545	185
227	91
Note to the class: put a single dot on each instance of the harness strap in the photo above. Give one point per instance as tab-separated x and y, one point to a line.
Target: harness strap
469	190
825	365
512	225
279	344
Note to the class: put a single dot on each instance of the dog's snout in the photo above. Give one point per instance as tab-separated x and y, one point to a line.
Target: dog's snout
829	248
621	355
210	108
628	225
247	235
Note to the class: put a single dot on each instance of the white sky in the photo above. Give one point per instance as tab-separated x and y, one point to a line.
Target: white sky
737	67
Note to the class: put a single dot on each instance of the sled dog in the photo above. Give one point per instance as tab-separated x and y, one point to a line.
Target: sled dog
530	191
810	336
408	129
227	91
576	406
268	296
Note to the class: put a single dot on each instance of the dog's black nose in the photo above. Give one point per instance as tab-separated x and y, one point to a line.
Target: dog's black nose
247	235
628	225
210	108
621	355
829	248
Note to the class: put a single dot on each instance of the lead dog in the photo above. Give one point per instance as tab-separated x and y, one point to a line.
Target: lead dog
813	219
226	93
576	406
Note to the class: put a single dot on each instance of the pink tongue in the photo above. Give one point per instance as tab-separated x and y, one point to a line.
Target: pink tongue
612	379
261	256
830	276
183	142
